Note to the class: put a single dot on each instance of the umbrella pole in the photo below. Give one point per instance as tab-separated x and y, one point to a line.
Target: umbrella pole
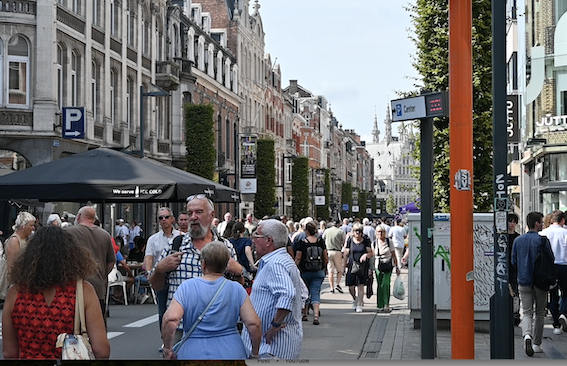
103	208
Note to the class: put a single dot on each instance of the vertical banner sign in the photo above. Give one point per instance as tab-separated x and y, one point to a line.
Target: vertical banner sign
248	158
320	187
355	207
369	204
512	120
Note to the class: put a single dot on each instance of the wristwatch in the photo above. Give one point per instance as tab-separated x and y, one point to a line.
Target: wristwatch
276	325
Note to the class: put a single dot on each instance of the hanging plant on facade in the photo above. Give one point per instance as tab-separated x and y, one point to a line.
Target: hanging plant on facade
199	126
323	211
266	172
300	188
346	198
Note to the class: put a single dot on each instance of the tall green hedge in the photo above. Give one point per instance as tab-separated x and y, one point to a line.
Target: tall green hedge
300	188
266	172
200	139
346	197
323	211
362	204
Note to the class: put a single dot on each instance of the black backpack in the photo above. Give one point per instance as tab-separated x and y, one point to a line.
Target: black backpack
313	257
545	273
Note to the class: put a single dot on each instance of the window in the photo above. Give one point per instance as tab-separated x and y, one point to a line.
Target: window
129	103
112	97
95	12
75	6
1	72
18	71
94	90
131	23
74	79
146	24
115	18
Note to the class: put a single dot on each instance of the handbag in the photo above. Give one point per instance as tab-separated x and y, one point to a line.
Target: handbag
385	267
4	284
186	336
399	290
358	268
77	346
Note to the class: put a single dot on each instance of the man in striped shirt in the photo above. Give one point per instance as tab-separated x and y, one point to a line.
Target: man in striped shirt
278	294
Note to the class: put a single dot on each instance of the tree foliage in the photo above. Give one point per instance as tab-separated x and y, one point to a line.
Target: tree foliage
430	19
300	188
265	199
200	140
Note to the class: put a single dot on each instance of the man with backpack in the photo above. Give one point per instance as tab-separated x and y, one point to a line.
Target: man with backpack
528	250
557	236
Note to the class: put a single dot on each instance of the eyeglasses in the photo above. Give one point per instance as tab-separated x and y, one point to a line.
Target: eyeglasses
201	196
164	217
255	236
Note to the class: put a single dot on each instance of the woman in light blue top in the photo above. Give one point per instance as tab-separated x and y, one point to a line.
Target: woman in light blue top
216	336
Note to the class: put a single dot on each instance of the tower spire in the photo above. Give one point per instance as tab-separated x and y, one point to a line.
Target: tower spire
375	131
388	126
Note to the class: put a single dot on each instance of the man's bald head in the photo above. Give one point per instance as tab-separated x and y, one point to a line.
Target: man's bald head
86	216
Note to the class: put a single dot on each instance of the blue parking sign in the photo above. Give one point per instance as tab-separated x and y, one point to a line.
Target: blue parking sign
73	123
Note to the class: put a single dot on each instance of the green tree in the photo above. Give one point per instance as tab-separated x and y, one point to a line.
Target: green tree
323	211
300	188
362	204
199	126
391	205
346	197
265	199
431	37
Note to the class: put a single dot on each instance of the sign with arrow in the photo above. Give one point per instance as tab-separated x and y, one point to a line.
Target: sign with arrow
73	123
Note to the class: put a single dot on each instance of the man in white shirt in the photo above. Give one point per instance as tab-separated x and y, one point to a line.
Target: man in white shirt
123	231
557	236
369	229
398	235
222	225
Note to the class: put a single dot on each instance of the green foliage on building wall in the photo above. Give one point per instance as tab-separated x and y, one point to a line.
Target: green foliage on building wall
200	140
323	211
431	37
362	204
346	197
391	205
266	175
300	188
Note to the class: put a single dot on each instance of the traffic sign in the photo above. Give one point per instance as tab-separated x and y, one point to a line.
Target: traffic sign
73	123
425	105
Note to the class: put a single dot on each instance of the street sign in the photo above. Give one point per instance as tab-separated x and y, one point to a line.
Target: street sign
426	105
73	123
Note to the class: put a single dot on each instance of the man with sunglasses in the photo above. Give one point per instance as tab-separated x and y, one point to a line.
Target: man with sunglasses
154	247
177	265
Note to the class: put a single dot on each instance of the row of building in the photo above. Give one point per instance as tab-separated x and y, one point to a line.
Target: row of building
128	67
537	103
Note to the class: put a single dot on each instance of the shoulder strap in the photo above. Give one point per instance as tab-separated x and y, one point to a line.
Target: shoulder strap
80	324
178	345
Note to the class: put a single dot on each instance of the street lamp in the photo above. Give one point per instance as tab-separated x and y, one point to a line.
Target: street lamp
155	91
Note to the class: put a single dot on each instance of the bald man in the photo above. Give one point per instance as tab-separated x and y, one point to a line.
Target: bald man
99	242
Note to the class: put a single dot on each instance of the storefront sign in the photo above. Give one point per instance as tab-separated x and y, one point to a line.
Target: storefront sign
552	123
512	122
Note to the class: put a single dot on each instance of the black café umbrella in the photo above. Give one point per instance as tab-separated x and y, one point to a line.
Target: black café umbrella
106	175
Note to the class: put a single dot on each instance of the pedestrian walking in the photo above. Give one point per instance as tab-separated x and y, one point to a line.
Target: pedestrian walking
385	261
524	256
357	251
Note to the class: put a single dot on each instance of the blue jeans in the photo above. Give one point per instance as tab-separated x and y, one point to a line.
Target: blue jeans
161	303
139	280
313	281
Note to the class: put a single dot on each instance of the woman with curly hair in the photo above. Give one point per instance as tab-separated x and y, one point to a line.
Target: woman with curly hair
44	278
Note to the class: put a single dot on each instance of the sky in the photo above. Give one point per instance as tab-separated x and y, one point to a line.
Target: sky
356	53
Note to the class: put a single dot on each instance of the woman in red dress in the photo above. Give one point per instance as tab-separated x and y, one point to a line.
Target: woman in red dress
41	302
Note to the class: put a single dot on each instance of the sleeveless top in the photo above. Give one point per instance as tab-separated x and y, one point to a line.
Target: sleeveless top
38	324
23	242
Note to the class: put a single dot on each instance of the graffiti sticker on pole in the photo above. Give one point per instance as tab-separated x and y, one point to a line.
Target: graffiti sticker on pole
463	180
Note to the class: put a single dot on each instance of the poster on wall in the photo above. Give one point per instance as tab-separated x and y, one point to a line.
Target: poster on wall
320	187
248	156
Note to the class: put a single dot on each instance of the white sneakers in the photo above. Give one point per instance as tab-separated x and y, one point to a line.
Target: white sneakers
354	305
557	331
528	345
563	321
537	349
359	309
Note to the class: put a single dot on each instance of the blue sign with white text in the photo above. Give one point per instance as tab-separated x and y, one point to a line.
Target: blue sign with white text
73	123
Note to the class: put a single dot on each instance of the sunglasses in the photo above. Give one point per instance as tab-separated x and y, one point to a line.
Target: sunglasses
164	217
199	196
358	231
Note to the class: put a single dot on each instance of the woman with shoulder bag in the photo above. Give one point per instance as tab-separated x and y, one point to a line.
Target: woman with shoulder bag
357	249
386	261
311	258
44	277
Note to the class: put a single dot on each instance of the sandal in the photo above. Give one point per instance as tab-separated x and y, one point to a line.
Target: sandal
304	318
316	320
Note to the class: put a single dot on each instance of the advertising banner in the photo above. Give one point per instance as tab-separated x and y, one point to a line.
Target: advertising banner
248	156
320	187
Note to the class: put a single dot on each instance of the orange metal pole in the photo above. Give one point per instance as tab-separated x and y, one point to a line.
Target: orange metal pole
461	161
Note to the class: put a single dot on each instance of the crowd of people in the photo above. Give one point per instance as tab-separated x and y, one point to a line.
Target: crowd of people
275	269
